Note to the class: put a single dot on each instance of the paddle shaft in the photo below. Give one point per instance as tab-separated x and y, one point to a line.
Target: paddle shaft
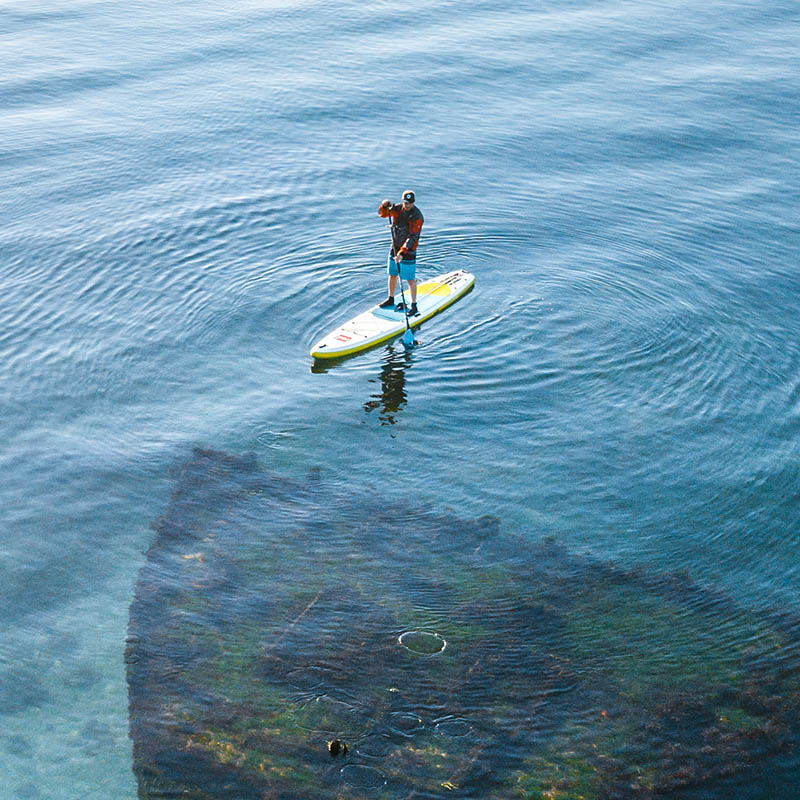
399	278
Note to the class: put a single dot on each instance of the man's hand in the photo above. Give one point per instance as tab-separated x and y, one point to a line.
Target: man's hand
386	204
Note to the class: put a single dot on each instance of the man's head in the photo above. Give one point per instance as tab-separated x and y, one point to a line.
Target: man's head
408	198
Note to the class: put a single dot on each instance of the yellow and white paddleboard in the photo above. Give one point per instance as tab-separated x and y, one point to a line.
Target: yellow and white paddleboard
377	324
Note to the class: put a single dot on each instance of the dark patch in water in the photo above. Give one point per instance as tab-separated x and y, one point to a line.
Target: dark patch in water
265	625
27	791
82	677
21	688
18	745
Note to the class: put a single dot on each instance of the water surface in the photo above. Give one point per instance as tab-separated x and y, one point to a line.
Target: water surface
189	197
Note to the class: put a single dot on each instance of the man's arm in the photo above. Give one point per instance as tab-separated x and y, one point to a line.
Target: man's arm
414	230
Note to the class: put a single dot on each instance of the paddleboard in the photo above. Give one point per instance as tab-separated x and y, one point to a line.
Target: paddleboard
377	324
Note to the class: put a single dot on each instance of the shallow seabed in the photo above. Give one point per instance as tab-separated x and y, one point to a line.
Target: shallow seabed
289	642
189	196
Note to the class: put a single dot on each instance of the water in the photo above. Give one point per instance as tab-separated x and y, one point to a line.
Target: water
189	196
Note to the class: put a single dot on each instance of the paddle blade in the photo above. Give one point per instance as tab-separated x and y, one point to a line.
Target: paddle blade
408	338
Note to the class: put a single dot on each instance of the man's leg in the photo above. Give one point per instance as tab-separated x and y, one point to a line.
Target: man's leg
410	272
392	269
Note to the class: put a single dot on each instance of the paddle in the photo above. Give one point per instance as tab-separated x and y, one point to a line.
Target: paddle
408	336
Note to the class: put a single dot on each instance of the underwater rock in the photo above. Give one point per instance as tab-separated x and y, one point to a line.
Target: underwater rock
272	619
336	746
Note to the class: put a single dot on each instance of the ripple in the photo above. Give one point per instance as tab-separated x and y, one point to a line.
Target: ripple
455	727
309	679
405	723
273	439
327	716
422	642
359	776
375	746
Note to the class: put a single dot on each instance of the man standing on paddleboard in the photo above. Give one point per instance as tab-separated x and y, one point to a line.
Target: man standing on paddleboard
407	222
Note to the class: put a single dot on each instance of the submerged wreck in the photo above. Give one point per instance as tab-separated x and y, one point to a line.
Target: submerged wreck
288	642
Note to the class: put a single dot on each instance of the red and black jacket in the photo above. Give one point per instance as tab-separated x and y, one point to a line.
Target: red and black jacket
406	228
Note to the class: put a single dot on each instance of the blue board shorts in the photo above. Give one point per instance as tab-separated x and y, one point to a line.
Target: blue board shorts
408	269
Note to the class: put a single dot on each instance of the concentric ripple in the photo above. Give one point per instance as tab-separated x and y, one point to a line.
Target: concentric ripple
422	642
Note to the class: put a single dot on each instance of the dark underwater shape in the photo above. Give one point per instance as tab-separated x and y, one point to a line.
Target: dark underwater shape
267	622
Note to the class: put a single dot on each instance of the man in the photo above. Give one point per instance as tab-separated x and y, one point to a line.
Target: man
407	222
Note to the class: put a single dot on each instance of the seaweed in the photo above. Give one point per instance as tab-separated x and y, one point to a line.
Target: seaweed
274	618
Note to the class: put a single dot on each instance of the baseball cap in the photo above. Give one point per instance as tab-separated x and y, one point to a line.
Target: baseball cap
409	196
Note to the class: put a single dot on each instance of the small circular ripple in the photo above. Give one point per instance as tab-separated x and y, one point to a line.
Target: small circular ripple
454	727
376	746
309	678
422	642
359	776
327	716
405	723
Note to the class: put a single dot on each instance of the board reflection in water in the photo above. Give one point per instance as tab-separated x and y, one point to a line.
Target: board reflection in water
454	660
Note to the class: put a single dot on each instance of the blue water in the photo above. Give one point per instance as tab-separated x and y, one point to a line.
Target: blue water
189	195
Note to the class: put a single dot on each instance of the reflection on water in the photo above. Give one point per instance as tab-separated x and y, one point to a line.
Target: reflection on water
272	617
392	396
